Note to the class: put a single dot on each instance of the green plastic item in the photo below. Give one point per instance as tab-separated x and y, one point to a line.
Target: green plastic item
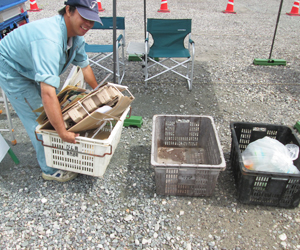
138	58
297	126
135	121
269	62
13	156
135	58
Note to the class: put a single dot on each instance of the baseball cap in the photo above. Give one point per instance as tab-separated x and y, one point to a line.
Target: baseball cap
88	9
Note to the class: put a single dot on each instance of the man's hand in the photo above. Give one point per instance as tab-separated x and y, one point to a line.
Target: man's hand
53	112
68	137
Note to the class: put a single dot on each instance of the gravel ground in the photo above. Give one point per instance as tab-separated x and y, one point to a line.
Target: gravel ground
122	210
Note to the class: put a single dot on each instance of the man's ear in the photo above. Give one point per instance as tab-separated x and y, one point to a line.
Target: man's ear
68	10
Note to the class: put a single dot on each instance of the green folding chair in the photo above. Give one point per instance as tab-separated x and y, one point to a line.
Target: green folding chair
169	45
101	53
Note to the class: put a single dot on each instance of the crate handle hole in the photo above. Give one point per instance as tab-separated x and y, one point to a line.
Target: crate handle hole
260	129
182	121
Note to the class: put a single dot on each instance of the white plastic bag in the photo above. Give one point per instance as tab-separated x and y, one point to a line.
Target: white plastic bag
270	155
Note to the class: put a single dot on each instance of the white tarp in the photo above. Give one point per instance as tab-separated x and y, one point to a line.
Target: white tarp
3	148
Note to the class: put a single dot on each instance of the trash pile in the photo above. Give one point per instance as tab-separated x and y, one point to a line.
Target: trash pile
270	155
86	111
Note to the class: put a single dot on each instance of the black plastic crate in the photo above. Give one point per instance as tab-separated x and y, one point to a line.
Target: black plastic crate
257	187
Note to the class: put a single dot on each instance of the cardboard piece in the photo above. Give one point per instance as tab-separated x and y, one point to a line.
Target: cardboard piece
82	115
75	78
95	119
64	100
107	95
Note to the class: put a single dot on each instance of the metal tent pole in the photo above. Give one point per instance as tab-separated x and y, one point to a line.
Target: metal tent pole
145	18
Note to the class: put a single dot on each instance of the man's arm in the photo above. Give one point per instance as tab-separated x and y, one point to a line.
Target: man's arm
89	76
53	112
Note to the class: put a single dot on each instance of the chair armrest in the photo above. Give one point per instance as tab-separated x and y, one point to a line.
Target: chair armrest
120	37
192	43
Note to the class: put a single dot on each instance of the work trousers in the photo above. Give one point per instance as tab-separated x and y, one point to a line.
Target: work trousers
25	96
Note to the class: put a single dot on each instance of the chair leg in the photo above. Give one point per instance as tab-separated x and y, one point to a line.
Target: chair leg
123	63
118	68
146	69
193	60
190	73
192	70
188	76
120	62
191	77
167	68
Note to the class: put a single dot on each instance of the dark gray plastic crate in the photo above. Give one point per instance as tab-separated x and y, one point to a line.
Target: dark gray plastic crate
186	154
258	187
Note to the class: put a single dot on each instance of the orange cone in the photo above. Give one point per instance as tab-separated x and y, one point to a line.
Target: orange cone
164	6
33	6
295	9
100	6
229	8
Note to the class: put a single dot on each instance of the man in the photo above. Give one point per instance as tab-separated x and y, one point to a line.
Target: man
31	59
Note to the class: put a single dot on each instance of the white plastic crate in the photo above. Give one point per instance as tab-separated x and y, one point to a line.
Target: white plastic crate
88	156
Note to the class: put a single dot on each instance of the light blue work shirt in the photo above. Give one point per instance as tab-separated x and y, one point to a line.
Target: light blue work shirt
38	51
